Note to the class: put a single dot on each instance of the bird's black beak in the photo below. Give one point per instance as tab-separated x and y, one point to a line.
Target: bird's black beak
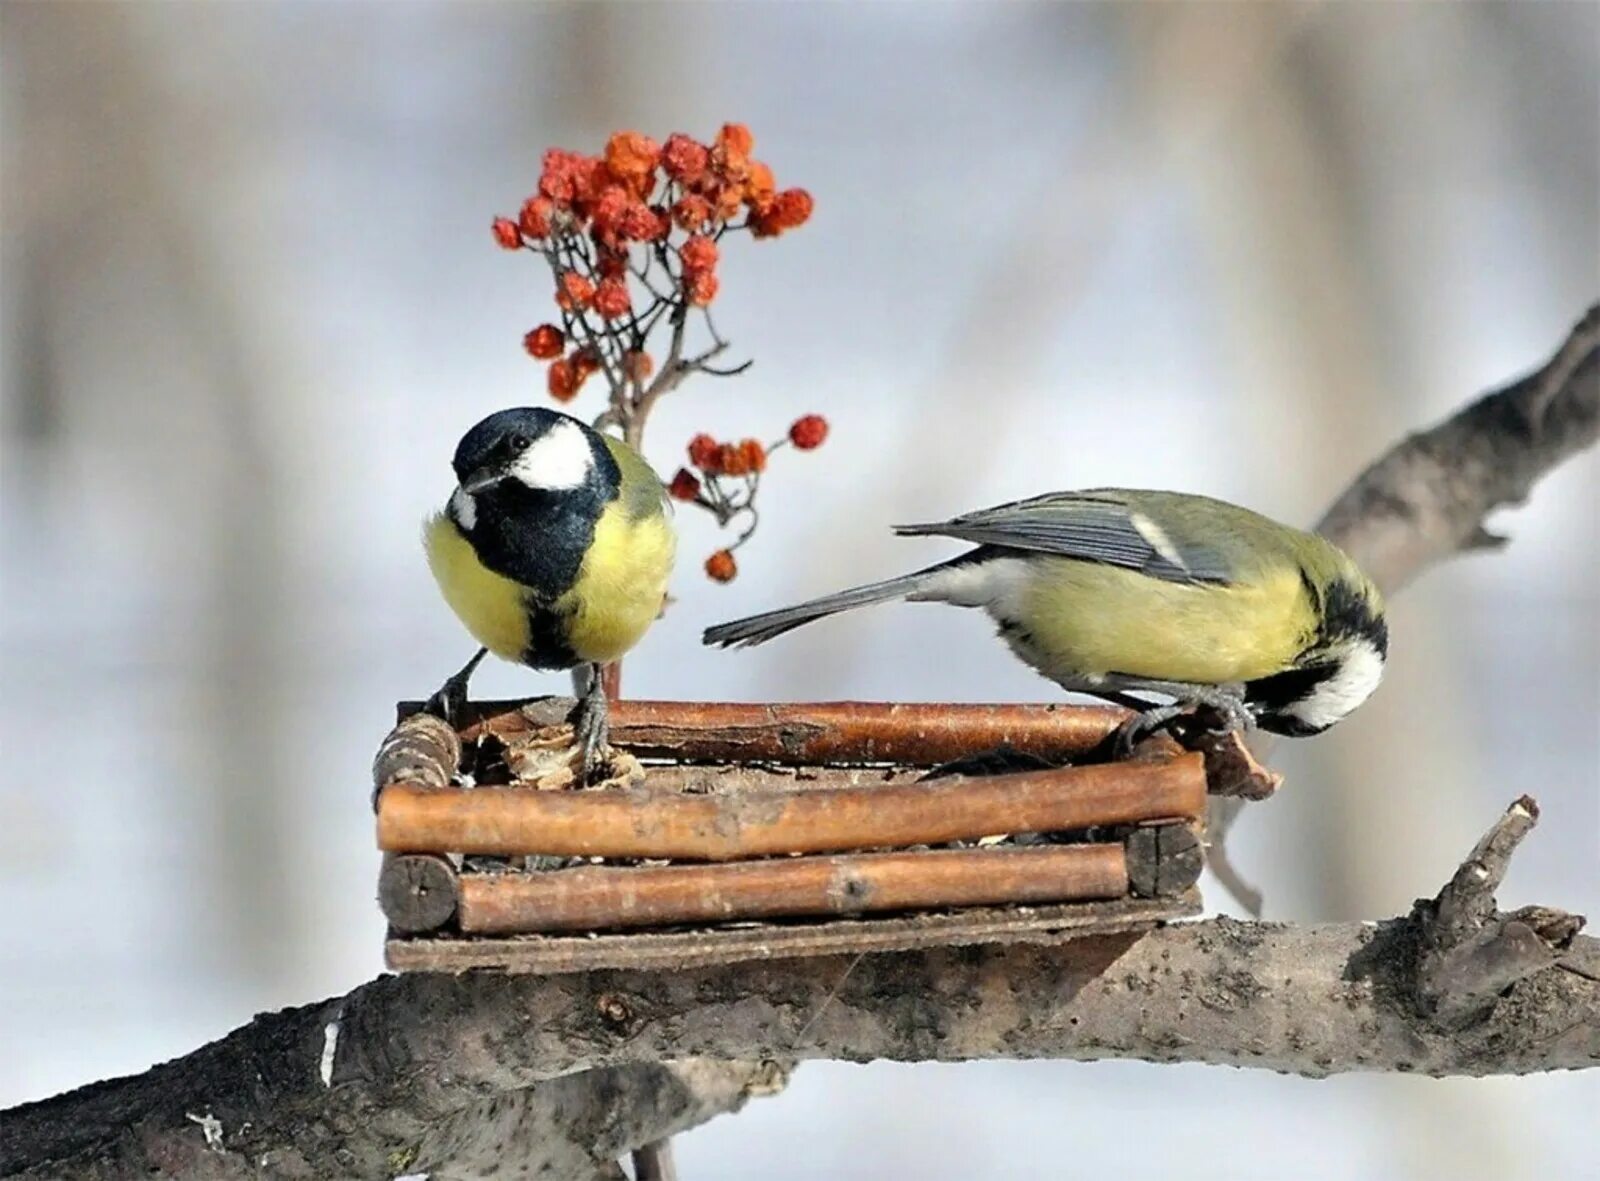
481	479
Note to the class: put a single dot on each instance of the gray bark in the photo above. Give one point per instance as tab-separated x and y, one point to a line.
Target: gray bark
565	1073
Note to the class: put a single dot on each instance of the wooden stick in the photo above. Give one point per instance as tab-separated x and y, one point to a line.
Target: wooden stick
918	734
675	949
1164	860
601	897
648	823
420	749
416	891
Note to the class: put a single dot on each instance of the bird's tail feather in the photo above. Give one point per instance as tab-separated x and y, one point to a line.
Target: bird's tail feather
758	629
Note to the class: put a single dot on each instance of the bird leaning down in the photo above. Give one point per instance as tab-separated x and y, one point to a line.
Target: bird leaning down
1115	592
554	551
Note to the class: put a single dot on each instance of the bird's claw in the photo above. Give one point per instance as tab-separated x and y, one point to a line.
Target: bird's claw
591	730
1234	715
450	702
1139	727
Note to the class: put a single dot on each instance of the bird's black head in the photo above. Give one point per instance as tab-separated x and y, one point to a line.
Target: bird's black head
533	483
531	448
1338	670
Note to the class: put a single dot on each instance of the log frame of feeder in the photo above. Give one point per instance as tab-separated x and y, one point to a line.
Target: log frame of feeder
1163	860
646	949
594	897
417	892
921	734
645	823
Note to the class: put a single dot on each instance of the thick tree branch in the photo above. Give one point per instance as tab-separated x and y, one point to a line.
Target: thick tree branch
449	1072
1426	499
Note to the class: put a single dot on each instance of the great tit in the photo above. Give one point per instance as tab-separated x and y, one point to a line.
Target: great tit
1114	592
554	550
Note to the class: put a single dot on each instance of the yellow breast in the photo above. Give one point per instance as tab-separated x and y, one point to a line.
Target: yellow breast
1094	619
493	607
621	584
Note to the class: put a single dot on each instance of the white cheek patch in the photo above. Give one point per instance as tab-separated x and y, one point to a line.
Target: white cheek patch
560	458
1358	675
464	509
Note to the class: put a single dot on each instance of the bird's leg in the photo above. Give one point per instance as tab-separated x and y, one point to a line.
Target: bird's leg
589	716
451	700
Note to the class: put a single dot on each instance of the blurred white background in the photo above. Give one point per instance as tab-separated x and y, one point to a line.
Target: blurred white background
251	301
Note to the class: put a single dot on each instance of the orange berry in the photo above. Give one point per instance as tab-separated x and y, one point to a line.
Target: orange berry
702	288
608	213
808	432
698	254
793	208
563	382
562	175
753	455
573	291
759	186
692	212
632	157
611	299
507	234
720	566
536	216
736	137
764	221
704	452
732	460
544	342
684	159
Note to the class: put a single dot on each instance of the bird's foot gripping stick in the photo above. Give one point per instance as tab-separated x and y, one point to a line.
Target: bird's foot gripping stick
1229	708
590	717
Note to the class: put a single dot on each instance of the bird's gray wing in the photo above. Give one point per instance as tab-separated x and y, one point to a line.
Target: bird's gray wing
1096	526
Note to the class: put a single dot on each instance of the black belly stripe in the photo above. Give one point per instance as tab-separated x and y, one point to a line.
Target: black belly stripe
548	647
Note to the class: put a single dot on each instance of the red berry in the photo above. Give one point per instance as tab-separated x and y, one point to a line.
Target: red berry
702	288
507	234
563	381
704	453
698	254
544	342
611	299
685	485
808	432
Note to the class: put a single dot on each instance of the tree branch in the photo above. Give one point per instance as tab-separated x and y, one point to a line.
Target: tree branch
1426	499
449	1072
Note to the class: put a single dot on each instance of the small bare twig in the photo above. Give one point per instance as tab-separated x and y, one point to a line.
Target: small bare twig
1469	954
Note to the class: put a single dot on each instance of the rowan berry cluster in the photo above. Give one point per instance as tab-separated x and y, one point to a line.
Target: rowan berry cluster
633	237
729	475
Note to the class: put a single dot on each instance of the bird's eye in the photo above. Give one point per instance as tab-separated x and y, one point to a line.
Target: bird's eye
518	442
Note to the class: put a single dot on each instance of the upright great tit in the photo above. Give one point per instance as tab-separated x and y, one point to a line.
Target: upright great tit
1113	592
554	550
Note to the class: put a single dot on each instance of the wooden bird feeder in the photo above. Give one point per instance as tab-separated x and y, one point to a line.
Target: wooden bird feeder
726	832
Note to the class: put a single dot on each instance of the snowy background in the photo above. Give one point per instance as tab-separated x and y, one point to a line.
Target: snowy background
250	301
